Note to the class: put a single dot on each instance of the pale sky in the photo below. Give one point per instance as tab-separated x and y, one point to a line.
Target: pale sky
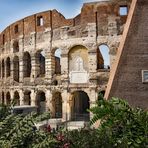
13	10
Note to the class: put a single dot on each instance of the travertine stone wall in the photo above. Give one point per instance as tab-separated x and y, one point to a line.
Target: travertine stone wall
98	23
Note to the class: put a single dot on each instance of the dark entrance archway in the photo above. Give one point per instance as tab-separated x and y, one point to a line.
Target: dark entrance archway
57	105
80	104
8	98
27	97
16	98
41	102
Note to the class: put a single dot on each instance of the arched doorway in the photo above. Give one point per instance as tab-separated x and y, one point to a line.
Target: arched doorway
16	69
57	105
41	102
27	97
80	104
40	61
8	98
16	98
3	98
27	64
103	57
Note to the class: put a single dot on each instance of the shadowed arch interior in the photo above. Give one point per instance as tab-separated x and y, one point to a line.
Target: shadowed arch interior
40	61
27	64
8	67
8	98
16	98
80	104
16	68
27	97
41	101
57	105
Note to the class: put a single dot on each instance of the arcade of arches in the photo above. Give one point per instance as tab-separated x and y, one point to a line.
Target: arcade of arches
62	100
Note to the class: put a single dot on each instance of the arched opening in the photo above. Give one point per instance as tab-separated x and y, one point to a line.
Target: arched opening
16	69
57	105
78	64
27	64
3	69
8	67
103	57
41	102
3	98
15	46
40	61
16	98
80	104
27	97
57	58
8	98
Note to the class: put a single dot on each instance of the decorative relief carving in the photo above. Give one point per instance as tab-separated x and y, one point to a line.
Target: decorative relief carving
79	74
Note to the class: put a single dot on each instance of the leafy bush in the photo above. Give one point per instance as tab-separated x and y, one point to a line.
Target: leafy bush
121	125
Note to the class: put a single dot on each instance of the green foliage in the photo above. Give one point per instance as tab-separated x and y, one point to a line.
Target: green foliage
121	125
84	138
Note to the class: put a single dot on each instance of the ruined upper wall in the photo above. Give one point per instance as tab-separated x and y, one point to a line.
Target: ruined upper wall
96	12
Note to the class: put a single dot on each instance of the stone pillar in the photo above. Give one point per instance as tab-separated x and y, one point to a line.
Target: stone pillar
64	105
21	66
21	93
49	66
49	106
11	95
48	100
33	98
69	106
92	61
35	67
93	96
64	69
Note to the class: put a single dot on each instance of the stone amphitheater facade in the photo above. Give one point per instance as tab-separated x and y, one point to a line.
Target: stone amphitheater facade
31	73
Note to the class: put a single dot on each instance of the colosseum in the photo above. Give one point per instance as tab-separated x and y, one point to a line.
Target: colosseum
56	63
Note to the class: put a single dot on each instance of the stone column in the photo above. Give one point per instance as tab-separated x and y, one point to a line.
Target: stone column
33	97
21	66
64	69
48	100
69	106
93	96
11	95
49	66
35	67
21	93
49	106
64	105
